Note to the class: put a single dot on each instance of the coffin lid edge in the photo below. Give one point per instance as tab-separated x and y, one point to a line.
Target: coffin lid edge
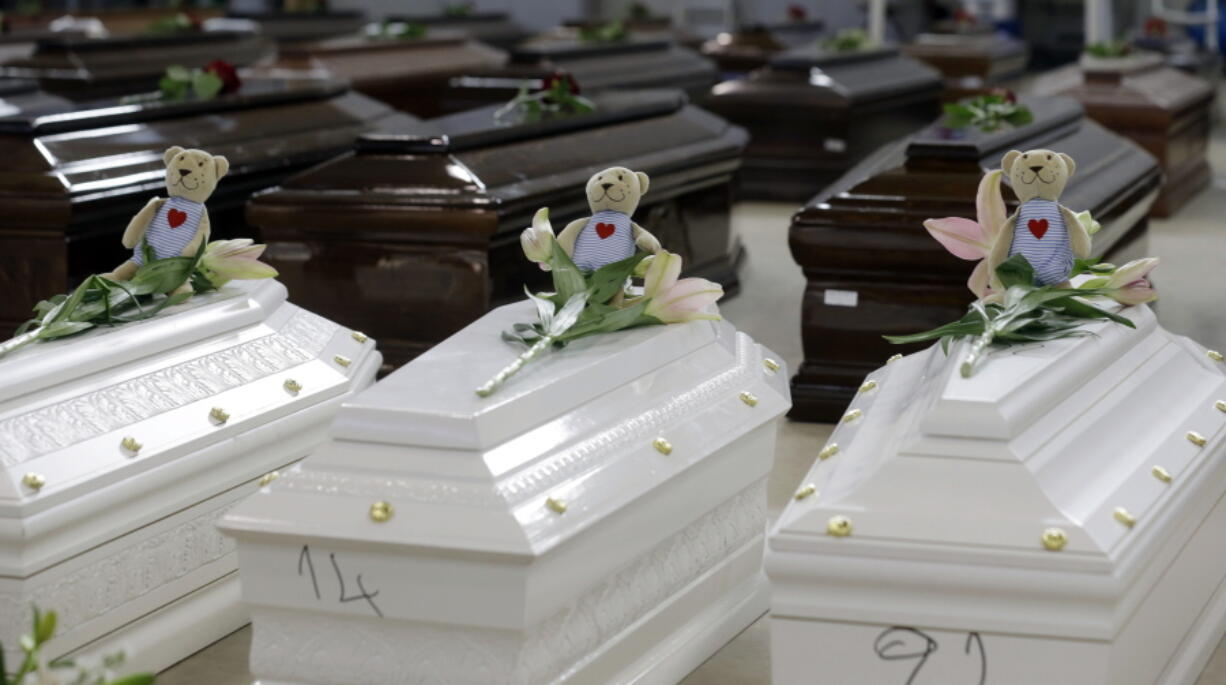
575	49
1049	113
80	43
815	56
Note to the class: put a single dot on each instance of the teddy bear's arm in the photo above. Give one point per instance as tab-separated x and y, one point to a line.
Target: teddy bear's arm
140	223
999	251
1079	239
202	234
645	240
568	236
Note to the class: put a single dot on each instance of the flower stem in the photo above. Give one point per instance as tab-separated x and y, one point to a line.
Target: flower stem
976	352
513	368
17	342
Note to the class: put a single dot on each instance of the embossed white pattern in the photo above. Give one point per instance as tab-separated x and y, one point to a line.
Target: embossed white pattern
38	432
331	650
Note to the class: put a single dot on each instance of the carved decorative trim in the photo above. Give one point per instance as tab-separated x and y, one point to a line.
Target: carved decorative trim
323	649
32	434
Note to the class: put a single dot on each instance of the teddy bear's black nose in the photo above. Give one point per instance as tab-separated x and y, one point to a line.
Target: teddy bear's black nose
184	172
606	186
1036	169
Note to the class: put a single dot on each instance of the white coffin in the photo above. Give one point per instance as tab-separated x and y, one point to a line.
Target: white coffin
950	484
475	580
123	545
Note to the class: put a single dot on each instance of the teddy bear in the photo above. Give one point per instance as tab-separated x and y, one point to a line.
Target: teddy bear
177	225
1045	232
608	235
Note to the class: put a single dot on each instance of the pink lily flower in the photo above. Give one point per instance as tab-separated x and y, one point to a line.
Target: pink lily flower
973	240
1129	285
537	239
225	260
677	301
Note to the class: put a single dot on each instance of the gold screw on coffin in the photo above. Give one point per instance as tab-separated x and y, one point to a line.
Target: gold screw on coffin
219	415
806	491
1220	405
868	386
268	478
341	359
292	386
838	526
749	398
828	451
662	446
1196	439
381	511
893	359
1054	539
770	364
1125	517
1162	474
130	444
556	505
1214	355
34	481
852	415
360	336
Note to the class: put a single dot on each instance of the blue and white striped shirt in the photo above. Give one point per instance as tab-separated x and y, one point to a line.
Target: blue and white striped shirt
608	237
172	228
1042	238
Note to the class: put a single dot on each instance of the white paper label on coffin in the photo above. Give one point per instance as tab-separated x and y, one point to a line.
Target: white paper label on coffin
952	483
545	527
120	424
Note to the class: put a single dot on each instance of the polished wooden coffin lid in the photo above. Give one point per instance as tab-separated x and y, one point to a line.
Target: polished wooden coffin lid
295	26
987	56
364	59
637	62
751	47
492	28
1133	92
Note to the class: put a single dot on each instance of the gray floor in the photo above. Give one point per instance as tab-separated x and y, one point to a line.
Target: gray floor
1190	280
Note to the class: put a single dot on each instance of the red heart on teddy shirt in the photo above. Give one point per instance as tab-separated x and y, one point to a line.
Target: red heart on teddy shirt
604	230
1038	227
176	218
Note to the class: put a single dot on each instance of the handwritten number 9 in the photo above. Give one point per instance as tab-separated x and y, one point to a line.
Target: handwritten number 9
908	644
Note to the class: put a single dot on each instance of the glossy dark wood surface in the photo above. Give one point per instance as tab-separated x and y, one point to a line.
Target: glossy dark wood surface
970	63
752	47
75	172
416	233
1164	110
492	28
289	27
813	115
865	234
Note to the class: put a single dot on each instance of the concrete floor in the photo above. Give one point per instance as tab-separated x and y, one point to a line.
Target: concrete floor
1190	280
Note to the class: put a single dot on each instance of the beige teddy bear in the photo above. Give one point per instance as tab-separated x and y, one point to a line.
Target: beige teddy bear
608	235
177	225
1046	232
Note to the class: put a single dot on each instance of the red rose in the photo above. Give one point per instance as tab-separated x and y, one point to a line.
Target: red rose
797	12
1005	93
561	77
1155	27
230	82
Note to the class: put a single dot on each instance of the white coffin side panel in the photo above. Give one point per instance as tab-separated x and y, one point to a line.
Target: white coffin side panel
950	484
646	562
123	544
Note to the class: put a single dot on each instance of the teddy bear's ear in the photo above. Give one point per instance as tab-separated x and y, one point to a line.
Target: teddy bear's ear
1068	161
170	154
223	165
1006	164
643	182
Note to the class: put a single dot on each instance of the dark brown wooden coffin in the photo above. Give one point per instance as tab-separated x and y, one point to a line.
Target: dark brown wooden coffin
415	235
76	172
812	115
491	28
99	67
289	27
752	47
970	63
873	270
410	74
1162	109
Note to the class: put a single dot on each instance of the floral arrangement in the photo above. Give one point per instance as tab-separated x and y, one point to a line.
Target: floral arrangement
401	30
847	40
182	22
988	112
584	304
216	78
35	670
608	32
558	95
458	9
1022	312
1109	49
99	301
1155	27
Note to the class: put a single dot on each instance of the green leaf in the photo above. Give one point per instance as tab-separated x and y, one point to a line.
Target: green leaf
617	320
61	329
206	85
164	275
1015	271
44	625
567	279
1085	310
178	72
608	280
134	679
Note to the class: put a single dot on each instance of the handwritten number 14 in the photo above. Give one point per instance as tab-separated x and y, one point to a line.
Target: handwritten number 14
305	563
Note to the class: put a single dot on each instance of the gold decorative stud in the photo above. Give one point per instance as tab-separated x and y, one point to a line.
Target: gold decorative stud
893	359
828	451
34	481
1054	539
359	336
868	386
749	398
1196	439
556	505
770	364
806	491
1161	474
292	386
1214	355
381	512
1125	517
662	446
341	359
1220	405
838	526
219	415
268	478
130	444
852	415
